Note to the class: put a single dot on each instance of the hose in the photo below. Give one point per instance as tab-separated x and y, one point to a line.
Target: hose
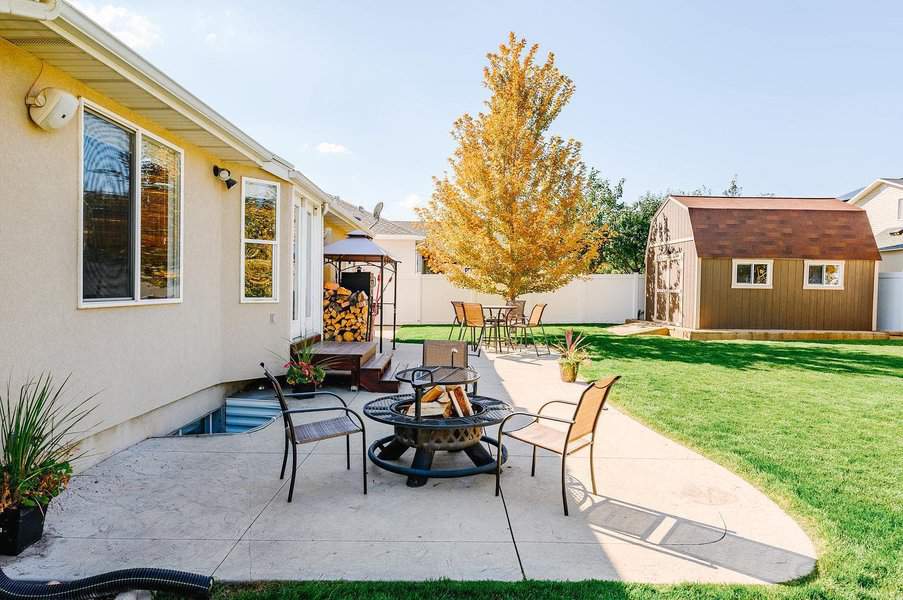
109	584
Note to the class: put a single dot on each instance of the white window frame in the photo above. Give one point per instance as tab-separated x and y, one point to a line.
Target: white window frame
139	133
752	261
274	299
820	286
900	209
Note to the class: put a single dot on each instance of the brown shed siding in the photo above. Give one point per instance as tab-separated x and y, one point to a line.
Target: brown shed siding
787	305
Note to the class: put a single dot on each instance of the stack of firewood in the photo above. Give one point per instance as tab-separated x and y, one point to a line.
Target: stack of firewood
344	314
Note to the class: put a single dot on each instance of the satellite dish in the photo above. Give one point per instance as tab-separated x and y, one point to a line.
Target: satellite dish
377	211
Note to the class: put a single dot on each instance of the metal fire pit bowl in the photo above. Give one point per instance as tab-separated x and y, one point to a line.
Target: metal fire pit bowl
430	434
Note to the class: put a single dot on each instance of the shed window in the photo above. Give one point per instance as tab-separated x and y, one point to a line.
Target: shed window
823	275
260	240
752	273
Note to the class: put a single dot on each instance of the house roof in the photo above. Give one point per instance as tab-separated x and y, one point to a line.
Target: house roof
365	219
890	239
770	227
60	35
855	197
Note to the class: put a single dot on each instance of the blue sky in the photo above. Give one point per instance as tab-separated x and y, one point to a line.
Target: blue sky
795	98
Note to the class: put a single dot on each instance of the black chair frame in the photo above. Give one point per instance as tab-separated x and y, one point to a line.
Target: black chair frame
291	440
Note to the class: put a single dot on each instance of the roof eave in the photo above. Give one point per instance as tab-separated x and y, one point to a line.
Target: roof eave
93	39
871	188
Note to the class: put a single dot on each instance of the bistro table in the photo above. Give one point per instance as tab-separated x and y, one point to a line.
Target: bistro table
495	321
428	434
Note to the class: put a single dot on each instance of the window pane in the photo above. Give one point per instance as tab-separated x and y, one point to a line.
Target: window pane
744	273
816	273
308	257
675	273
297	286
160	196
107	218
260	211
259	270
760	274
832	275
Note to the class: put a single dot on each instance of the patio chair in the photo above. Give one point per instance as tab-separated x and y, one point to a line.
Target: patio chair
474	320
581	432
518	313
441	353
305	433
458	307
526	329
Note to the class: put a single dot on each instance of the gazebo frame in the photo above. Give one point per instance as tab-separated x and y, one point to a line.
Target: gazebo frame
353	254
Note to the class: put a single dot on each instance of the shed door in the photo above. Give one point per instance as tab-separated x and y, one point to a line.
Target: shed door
669	288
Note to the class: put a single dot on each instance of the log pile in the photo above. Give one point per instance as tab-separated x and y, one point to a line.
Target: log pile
344	314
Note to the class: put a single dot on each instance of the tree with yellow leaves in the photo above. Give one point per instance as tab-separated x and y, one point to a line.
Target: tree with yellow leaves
512	219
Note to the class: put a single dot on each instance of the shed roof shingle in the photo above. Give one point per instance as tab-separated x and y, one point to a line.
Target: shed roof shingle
767	227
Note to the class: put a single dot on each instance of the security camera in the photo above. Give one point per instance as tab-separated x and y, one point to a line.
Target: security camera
52	108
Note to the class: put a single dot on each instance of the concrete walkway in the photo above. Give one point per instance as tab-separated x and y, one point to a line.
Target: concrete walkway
215	505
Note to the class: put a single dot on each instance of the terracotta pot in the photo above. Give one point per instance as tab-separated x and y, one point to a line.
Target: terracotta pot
568	371
20	527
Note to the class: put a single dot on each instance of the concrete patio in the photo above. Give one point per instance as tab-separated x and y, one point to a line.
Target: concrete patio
215	505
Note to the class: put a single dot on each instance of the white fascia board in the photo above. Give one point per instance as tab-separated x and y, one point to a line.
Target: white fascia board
309	187
855	200
96	41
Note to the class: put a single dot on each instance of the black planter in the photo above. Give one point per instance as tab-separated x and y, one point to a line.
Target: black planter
20	527
299	388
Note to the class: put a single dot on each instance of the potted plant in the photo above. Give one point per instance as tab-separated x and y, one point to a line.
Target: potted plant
36	433
572	352
303	373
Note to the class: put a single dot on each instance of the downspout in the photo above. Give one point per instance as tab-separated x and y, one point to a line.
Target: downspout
41	10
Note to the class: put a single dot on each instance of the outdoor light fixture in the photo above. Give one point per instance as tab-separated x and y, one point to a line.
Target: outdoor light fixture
225	175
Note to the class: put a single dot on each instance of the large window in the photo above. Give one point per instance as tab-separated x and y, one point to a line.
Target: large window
827	275
131	249
260	240
752	273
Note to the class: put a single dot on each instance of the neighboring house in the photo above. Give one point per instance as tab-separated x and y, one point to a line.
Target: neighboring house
125	260
882	201
761	263
399	238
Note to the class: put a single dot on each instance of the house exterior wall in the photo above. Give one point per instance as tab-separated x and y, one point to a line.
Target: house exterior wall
787	305
140	359
882	206
891	262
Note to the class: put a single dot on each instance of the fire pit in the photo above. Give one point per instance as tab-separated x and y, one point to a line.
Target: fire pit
428	434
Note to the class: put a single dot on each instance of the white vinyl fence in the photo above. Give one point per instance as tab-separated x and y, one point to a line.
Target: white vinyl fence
890	301
595	299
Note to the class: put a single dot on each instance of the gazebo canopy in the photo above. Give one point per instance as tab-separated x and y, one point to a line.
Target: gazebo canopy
357	247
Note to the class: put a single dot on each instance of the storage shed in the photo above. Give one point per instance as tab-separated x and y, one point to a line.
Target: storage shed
749	263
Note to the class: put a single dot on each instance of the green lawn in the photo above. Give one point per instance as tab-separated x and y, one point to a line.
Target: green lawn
817	425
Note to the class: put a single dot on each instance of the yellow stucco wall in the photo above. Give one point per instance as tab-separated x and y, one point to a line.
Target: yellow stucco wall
141	359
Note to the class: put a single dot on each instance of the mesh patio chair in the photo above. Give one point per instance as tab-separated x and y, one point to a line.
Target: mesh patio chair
518	313
458	307
305	433
527	328
581	432
474	320
441	353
